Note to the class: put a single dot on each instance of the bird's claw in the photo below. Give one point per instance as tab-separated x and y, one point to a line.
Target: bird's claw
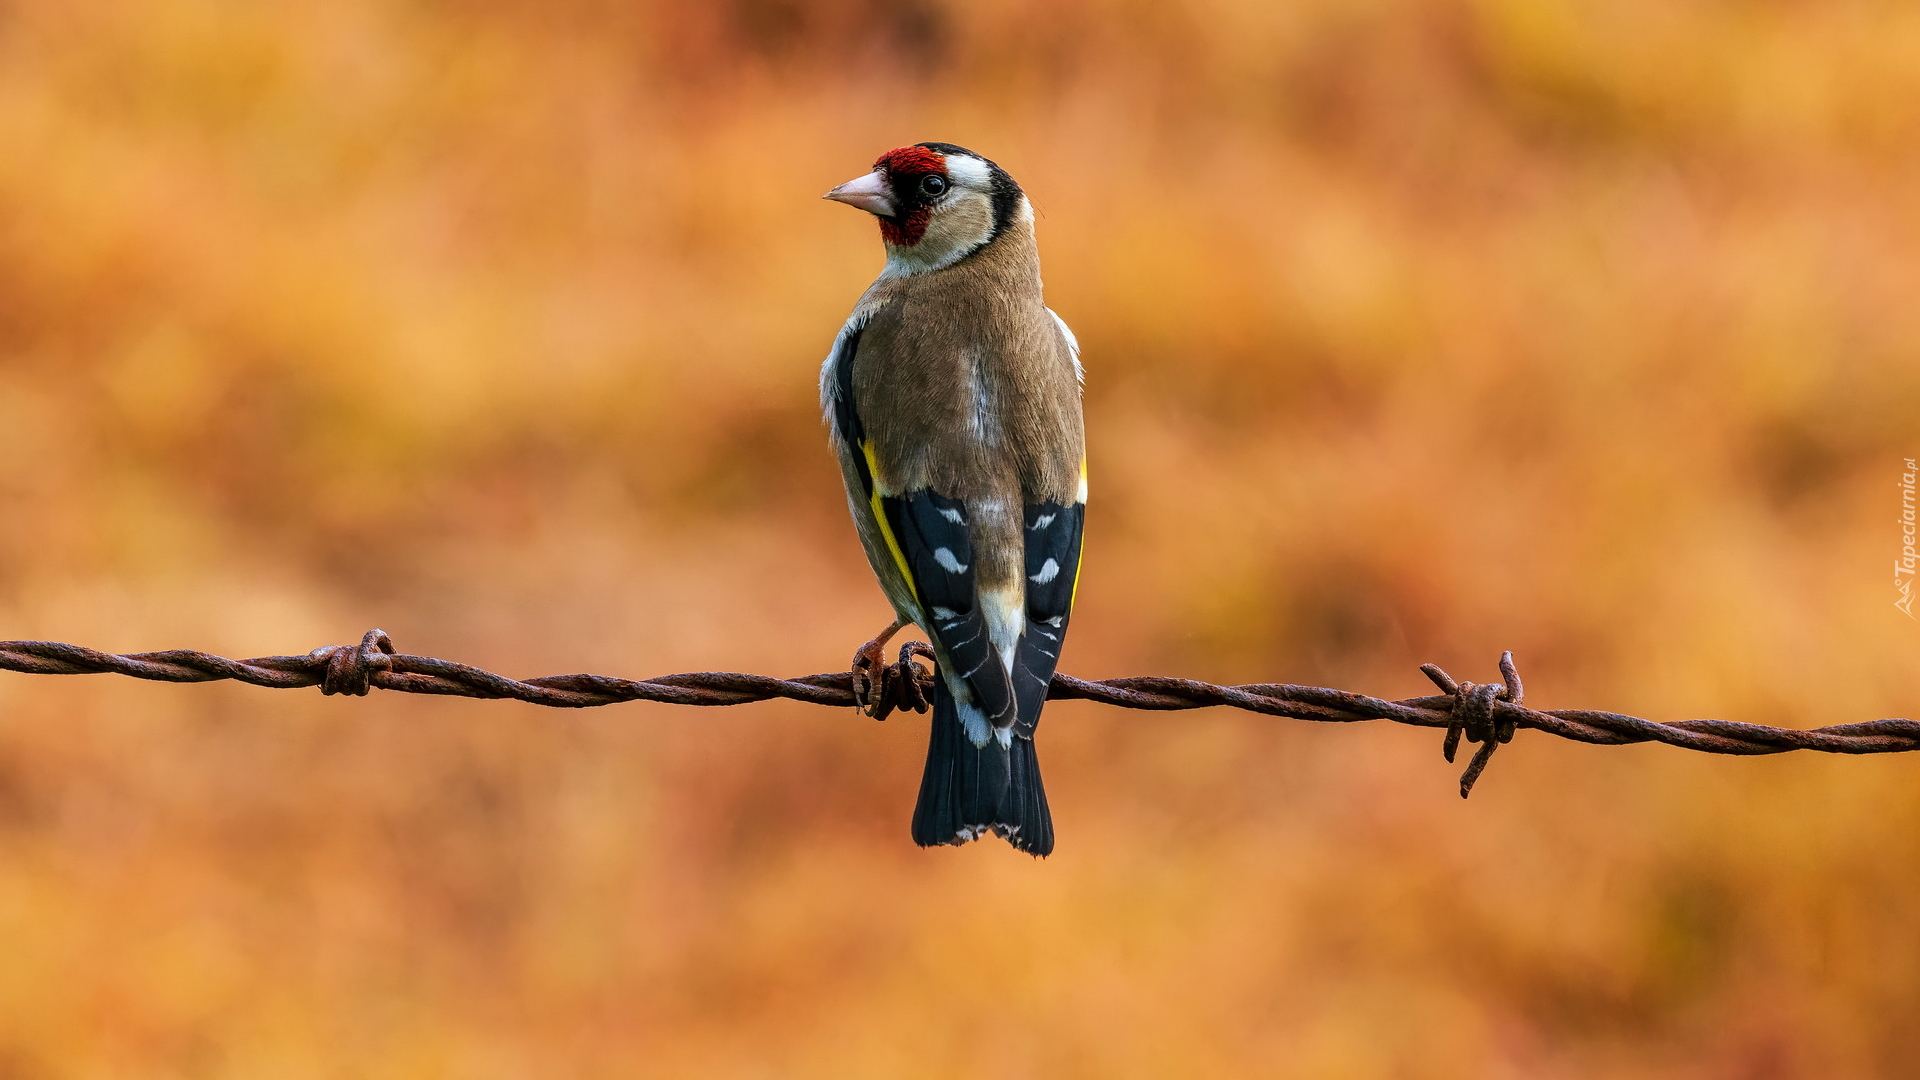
871	675
911	695
870	680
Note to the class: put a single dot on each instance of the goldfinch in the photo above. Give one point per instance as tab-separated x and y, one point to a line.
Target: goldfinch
953	396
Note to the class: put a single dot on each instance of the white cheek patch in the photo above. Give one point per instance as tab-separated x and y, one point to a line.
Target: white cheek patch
968	172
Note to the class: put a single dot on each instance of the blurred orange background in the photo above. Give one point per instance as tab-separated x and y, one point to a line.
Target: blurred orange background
1414	331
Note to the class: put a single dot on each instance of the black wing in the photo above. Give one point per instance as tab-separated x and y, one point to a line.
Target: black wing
1053	566
929	532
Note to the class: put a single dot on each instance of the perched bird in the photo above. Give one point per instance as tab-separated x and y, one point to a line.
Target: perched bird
953	394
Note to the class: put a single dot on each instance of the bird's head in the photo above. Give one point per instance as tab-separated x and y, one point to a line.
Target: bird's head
937	204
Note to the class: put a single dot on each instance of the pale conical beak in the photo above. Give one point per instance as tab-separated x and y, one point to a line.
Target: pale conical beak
869	193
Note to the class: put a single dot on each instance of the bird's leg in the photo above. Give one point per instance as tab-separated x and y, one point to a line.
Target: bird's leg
870	673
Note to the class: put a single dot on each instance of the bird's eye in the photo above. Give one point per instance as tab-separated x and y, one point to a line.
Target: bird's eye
933	186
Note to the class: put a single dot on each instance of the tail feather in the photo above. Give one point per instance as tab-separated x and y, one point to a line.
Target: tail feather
1026	804
968	791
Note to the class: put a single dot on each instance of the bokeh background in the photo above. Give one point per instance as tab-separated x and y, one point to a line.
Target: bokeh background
1415	330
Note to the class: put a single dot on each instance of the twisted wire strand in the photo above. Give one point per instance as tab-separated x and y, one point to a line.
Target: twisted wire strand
1487	714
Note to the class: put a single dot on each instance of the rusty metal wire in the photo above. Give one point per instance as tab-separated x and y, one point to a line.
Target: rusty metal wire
1487	714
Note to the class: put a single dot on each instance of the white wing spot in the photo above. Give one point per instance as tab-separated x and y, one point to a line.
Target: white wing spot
1048	571
953	515
1042	522
943	614
944	556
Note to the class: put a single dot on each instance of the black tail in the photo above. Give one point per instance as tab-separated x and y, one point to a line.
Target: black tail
968	791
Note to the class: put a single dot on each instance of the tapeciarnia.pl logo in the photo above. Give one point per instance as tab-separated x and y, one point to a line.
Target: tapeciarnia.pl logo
1904	565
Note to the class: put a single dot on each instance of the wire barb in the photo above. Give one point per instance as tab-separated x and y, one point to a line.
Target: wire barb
350	668
1473	715
1486	714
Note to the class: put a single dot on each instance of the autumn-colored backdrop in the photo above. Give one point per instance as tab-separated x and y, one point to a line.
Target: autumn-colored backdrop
1414	330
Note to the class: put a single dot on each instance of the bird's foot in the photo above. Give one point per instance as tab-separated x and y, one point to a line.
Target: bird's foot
911	694
870	673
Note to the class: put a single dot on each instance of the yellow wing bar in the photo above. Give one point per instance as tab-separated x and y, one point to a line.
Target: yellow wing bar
880	519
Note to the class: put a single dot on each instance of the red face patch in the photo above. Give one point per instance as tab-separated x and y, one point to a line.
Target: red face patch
905	168
915	161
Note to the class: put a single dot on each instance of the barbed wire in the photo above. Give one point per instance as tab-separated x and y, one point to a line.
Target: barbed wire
1485	713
